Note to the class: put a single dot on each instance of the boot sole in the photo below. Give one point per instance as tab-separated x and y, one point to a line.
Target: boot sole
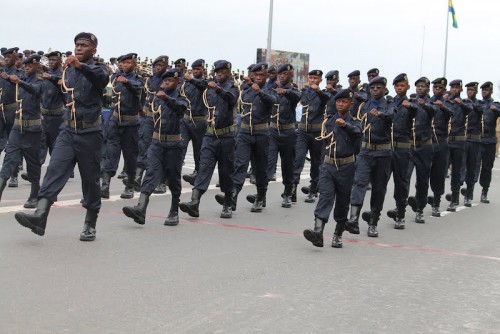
286	206
87	238
171	223
185	208
131	214
30	206
26	223
313	238
309	200
126	196
337	245
226	216
255	210
402	227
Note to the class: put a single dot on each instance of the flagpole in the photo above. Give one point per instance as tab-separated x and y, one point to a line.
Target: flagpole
422	55
269	32
446	43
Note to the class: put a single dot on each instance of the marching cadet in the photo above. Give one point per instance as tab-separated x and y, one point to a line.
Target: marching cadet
401	133
313	103
374	161
123	127
165	152
456	139
8	104
272	81
24	139
341	133
421	147
439	165
181	65
332	79
491	112
472	144
372	73
80	139
194	123
220	99
359	92
146	127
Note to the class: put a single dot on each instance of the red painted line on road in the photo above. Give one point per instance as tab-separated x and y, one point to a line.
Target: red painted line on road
354	241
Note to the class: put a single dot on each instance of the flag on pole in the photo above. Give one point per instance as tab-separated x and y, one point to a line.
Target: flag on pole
452	11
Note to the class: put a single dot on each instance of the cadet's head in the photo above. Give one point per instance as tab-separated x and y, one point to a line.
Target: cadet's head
181	64
377	87
343	101
160	65
423	86
222	69
354	79
85	46
55	59
332	78
472	88
260	73
112	60
198	68
273	73
439	86
456	87
401	84
315	77
19	60
128	62
374	72
285	74
171	79
10	57
487	89
31	64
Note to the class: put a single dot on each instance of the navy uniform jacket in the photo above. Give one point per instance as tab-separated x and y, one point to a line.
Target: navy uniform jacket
377	130
458	117
423	119
403	120
53	97
168	115
151	86
441	118
331	107
362	97
194	90
272	84
30	92
8	88
88	82
474	120
259	105
314	105
344	138
287	105
488	135
130	97
224	102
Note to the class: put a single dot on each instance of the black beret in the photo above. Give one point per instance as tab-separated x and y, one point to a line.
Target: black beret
86	36
259	67
272	68
198	63
54	54
9	51
285	67
172	73
373	71
354	73
222	64
20	55
3	49
456	82
40	53
399	78
249	68
68	53
472	84
33	59
319	73
112	59
180	61
332	75
378	81
440	81
487	84
128	56
159	59
423	80
344	94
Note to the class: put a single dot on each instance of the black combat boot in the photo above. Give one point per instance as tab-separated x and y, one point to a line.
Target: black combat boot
88	233
435	202
337	240
315	236
192	208
259	202
138	179
393	213
454	202
128	192
305	190
25	177
468	193
173	214
161	188
313	192
189	178
227	211
251	199
352	225
13	183
36	221
33	199
484	196
412	202
419	217
400	218
294	193
287	198
372	223
138	212
106	179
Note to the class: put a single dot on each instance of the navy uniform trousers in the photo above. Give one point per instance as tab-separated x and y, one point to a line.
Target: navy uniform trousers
487	161
146	129
439	167
283	143
194	133
422	160
6	123
399	166
121	139
457	152
472	153
306	141
50	125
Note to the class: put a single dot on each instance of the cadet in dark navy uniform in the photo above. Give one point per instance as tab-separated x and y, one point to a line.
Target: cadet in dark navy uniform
374	160
340	132
332	79
123	127
372	73
220	97
24	139
194	124
313	103
359	92
491	112
79	141
165	152
401	133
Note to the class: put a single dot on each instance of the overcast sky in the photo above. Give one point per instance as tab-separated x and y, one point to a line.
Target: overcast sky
342	35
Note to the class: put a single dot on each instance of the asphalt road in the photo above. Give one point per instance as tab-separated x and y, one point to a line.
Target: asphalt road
254	273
